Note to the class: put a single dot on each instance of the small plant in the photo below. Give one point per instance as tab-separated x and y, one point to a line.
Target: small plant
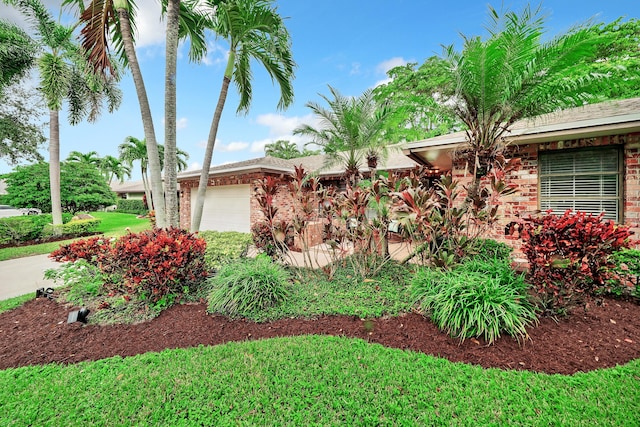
248	286
489	249
82	281
475	299
569	256
626	273
224	247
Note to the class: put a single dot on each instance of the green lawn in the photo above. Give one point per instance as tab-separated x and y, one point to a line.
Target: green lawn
113	224
312	380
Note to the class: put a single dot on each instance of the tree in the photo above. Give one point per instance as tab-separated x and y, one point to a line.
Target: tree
90	158
135	150
115	19
414	98
349	131
254	30
112	167
512	75
82	187
21	132
17	53
65	75
284	149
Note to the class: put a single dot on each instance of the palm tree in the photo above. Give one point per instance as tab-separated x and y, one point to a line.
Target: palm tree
254	30
282	149
102	18
65	75
512	75
135	150
17	53
113	167
349	131
90	158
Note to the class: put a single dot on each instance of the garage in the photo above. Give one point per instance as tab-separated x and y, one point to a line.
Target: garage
226	208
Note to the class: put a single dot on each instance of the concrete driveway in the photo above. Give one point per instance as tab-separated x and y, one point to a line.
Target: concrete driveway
23	275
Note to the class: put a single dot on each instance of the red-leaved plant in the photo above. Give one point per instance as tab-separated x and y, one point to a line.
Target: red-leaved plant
156	263
569	255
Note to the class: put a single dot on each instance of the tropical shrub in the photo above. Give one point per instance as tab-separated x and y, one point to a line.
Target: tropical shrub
626	273
569	256
489	249
475	299
83	280
248	286
76	227
224	247
132	206
158	264
27	227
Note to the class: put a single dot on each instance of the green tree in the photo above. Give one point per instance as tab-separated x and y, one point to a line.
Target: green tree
114	20
65	76
414	98
90	158
17	53
21	135
112	167
82	187
284	149
350	133
513	74
254	30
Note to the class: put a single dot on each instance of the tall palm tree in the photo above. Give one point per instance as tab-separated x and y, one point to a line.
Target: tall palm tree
17	53
515	73
115	19
113	167
254	30
65	75
90	158
349	131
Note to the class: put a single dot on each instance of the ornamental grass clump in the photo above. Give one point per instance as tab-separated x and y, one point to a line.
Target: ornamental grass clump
246	287
477	299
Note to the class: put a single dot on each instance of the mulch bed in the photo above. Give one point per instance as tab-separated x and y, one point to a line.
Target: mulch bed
600	337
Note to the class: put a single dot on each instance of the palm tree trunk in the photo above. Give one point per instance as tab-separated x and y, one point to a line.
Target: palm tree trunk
211	142
147	120
147	192
54	171
170	150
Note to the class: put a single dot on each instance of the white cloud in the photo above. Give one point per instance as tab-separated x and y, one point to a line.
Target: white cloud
181	123
232	146
150	29
355	69
194	166
382	82
281	125
387	65
258	146
216	54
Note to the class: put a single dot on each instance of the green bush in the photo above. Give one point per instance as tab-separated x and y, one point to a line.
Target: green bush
224	247
248	286
488	249
75	228
480	298
626	271
26	227
82	280
133	206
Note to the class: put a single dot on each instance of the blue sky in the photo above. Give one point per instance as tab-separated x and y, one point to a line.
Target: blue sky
349	44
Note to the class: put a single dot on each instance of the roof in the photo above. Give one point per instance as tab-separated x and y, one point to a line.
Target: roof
127	187
605	118
395	161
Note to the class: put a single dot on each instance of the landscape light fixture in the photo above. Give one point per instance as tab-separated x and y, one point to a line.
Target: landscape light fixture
78	315
44	293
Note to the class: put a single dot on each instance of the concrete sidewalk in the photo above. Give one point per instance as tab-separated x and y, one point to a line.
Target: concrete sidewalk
24	275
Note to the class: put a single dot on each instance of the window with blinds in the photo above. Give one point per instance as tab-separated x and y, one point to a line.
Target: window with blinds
587	180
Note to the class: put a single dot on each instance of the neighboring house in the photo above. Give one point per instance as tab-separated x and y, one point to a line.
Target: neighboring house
128	189
3	187
585	158
230	204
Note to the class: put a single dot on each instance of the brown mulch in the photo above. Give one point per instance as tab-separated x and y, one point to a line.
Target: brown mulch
600	337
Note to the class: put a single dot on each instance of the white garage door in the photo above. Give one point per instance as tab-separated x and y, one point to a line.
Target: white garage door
226	208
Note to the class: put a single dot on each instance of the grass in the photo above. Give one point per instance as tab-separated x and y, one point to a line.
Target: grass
11	303
310	380
113	224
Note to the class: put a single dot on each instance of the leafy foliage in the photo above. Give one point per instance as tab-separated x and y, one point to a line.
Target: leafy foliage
83	188
569	255
248	286
284	149
83	280
76	227
133	206
224	247
489	249
156	264
24	228
479	298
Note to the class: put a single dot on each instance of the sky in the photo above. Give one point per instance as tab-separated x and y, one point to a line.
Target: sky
348	44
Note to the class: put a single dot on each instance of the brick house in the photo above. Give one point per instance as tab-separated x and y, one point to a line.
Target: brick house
585	158
230	204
